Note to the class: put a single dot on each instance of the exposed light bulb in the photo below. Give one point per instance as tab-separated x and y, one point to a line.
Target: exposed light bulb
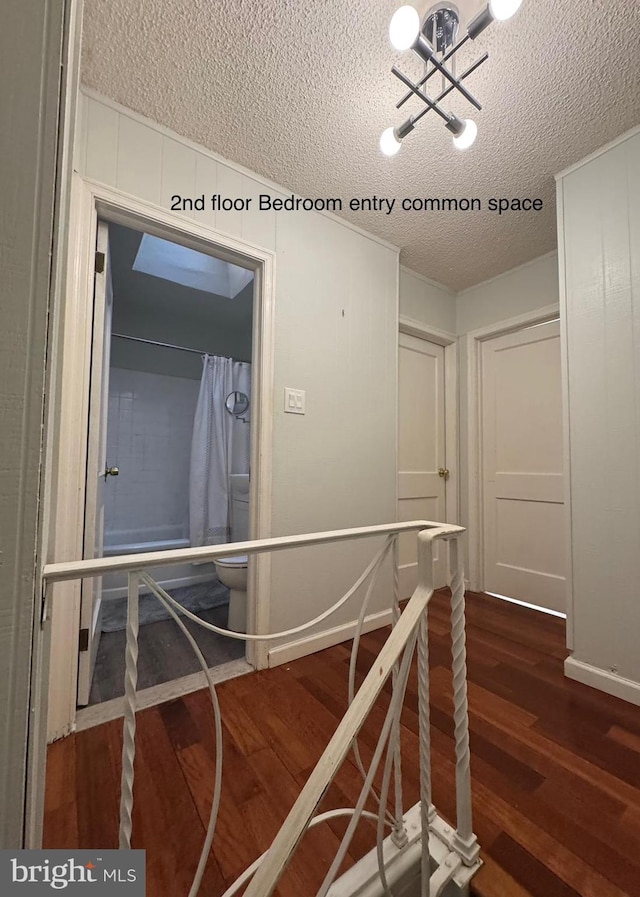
467	137
504	9
404	27
389	143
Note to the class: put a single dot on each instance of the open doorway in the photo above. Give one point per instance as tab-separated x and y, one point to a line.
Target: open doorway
73	619
169	438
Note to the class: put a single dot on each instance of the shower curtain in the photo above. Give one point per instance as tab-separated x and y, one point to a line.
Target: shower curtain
219	447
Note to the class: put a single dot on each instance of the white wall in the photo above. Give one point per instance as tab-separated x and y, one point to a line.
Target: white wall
523	289
599	217
336	312
179	324
157	309
427	302
31	56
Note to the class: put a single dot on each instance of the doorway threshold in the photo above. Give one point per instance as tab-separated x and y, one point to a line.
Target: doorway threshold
88	717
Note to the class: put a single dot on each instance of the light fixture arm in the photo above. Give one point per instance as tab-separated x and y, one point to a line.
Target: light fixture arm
405	128
426	52
478	24
432	71
455	125
431	104
448	90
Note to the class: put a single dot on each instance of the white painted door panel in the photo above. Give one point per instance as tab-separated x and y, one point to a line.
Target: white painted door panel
91	604
421	450
522	466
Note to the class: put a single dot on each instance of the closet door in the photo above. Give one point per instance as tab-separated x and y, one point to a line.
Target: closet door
522	466
421	451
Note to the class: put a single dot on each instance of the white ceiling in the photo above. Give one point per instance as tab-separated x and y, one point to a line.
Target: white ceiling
300	92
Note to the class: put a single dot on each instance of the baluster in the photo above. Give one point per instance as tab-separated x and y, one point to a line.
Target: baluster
425	580
465	839
129	724
399	833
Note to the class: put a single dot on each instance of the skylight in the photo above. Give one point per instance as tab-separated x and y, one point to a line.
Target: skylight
185	266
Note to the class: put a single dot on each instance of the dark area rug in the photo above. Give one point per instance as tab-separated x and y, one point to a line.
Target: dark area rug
164	654
196	598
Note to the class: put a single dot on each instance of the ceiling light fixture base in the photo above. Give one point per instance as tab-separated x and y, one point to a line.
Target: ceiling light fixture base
441	25
435	40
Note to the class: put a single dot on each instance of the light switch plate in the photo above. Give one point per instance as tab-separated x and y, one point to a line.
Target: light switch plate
294	400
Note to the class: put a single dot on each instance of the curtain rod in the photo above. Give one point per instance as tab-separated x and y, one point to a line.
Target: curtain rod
152	342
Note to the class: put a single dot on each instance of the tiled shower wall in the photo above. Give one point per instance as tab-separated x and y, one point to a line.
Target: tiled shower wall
149	431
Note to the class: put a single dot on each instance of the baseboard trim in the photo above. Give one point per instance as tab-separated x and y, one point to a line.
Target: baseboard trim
327	639
618	686
87	717
166	584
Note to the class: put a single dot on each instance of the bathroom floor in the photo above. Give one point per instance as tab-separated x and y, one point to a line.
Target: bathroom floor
164	653
197	597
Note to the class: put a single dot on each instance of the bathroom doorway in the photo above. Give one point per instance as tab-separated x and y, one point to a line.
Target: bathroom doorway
169	434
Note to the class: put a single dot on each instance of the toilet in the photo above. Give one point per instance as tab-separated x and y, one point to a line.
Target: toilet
232	571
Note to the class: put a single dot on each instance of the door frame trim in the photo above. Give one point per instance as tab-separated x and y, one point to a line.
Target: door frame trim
449	341
90	200
475	542
90	591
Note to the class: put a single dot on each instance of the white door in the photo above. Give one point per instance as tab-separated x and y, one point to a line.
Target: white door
421	451
522	468
90	608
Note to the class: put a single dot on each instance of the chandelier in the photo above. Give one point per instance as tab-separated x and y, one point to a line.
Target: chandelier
435	41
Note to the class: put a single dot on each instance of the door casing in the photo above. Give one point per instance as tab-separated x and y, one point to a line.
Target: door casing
91	591
90	200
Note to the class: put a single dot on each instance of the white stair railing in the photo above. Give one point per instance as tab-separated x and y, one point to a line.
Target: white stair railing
421	844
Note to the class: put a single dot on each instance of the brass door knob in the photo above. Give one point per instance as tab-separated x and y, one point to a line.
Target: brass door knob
111	472
443	472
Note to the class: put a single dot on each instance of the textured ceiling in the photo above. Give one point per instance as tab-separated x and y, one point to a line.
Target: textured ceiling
300	92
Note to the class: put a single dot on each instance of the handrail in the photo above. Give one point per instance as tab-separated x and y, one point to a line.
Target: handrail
66	570
409	628
267	876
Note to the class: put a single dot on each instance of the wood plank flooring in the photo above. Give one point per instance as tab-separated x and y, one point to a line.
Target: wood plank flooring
555	767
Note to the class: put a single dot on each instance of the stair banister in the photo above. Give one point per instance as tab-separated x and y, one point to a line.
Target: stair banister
267	876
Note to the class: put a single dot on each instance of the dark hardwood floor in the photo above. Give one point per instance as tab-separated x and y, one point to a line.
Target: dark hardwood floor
555	767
